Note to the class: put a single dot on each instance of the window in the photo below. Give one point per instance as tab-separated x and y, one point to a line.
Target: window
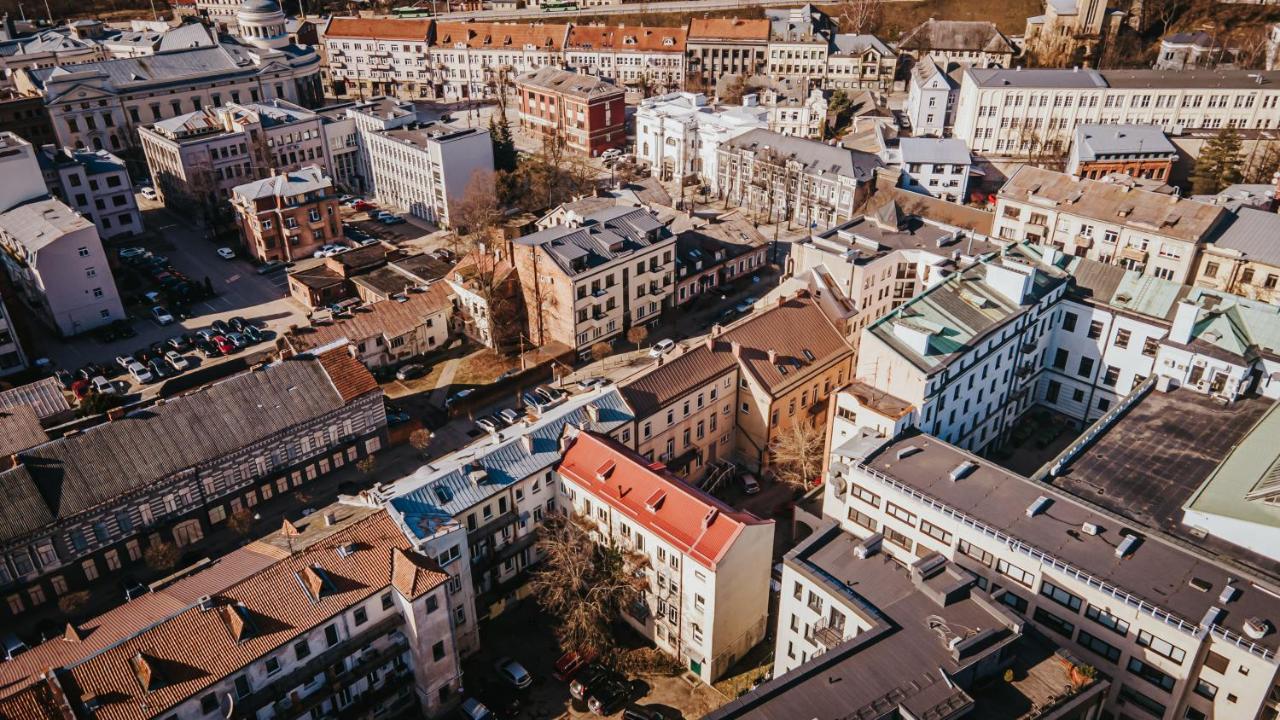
437	651
1161	647
1111	376
977	553
448	556
1150	673
1107	620
1122	338
899	513
1085	368
1150	346
273	665
935	532
1095	330
1015	573
1217	663
209	703
1014	601
1069	322
863	519
1060	596
1060	358
331	635
1053	622
386	601
301	649
897	538
361	616
864	495
1101	647
242	686
1129	696
1206	689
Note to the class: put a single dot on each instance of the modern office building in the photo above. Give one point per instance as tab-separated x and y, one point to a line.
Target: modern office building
426	168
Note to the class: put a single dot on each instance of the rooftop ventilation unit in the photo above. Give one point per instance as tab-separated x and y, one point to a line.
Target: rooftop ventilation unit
346	549
962	471
1090	529
1228	594
1211	617
907	451
1038	506
1127	546
868	547
1256	627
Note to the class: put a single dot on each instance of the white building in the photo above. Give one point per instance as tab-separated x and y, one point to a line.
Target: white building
97	185
472	59
677	134
53	255
642	59
931	99
805	118
426	168
860	62
935	167
707	603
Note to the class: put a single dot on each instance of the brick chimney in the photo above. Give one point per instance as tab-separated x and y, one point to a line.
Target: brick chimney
737	348
773	356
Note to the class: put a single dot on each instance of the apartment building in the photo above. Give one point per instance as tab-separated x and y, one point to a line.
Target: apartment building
287	217
801	117
793	179
1243	258
583	112
860	62
707	603
367	274
722	47
172	471
334	614
478	510
953	44
730	397
368	57
386	333
937	167
588	279
1196	647
714	255
678	134
200	156
52	255
98	105
96	184
24	115
1141	151
799	45
1111	222
931	100
13	358
473	59
425	168
644	59
1005	113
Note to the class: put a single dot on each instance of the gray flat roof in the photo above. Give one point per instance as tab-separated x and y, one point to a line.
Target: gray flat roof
1035	78
1254	234
1095	140
1192	79
951	151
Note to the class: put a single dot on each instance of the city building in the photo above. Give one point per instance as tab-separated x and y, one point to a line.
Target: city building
584	113
931	99
707	604
1141	151
1006	113
387	332
647	60
592	276
96	185
716	254
799	45
731	397
25	115
1072	32
936	167
346	131
1187	51
793	179
1156	234
53	255
805	117
287	216
200	156
478	510
952	44
333	614
425	168
678	134
1244	258
487	289
724	47
365	274
474	59
172	471
368	57
860	62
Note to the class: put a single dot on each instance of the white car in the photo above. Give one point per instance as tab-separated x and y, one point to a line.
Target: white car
176	360
140	373
149	193
132	252
226	253
611	154
327	250
161	316
103	386
660	348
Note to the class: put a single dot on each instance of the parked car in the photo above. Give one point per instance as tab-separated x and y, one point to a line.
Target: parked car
140	373
387	218
550	394
662	347
271	267
90	371
134	589
588	678
473	709
238	324
65	378
181	343
363	205
123	328
124	361
206	334
226	253
238	340
726	315
607	698
640	712
489	424
509	416
327	251
570	663
513	673
588	383
747	305
411	371
225	346
161	315
458	397
129	252
103	386
220	327
252	334
177	361
207	348
149	193
346	199
611	154
750	485
160	368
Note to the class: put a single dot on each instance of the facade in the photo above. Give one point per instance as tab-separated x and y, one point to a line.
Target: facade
387	332
97	185
1243	258
426	168
202	155
1004	113
723	47
931	100
367	57
806	118
99	105
678	134
588	279
1141	151
334	615
583	112
487	289
287	217
478	510
794	179
1156	234
936	167
471	59
644	59
860	62
707	565
13	359
714	255
1186	51
952	44
799	45
25	115
53	256
210	453
1071	32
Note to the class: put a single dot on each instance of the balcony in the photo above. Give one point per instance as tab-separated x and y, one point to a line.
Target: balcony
1027	348
826	635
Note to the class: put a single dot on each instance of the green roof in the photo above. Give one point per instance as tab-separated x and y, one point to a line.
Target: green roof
1252	470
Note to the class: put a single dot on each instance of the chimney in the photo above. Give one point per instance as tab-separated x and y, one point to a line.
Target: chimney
1184	321
526	440
593	412
1010	280
710	342
330	519
773	356
736	348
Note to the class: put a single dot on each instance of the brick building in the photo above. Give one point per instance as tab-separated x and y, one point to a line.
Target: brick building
586	113
287	217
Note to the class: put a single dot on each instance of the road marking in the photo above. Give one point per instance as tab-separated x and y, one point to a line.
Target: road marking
232	278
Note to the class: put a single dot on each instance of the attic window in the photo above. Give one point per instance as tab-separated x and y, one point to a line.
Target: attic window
238	621
443	493
963	470
655	501
782	368
315	582
605	470
146	672
808	355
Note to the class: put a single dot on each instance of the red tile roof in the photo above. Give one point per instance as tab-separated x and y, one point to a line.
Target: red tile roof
350	378
377	28
728	29
500	36
697	524
627	38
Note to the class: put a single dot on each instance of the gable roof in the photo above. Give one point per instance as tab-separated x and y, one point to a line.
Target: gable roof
503	36
549	77
699	525
628	38
1254	234
817	158
975	35
602	237
44	396
385	318
285	185
377	28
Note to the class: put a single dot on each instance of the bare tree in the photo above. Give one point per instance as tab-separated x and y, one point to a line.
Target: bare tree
420	439
240	522
796	454
637	335
600	351
367	464
73	602
477	212
161	556
584	585
859	16
1166	11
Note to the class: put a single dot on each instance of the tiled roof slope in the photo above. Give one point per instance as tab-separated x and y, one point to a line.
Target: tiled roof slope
512	37
728	29
391	318
570	83
73	474
627	38
379	28
698	524
44	396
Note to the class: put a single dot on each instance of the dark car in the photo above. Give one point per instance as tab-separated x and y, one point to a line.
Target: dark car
588	679
207	348
220	327
608	697
64	377
142	355
123	329
411	371
238	324
159	368
640	712
181	343
159	348
253	334
271	267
